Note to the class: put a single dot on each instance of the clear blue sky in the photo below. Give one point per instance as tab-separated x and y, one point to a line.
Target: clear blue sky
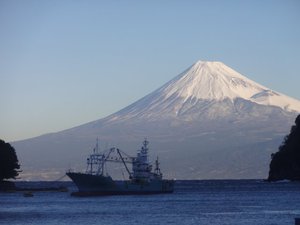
65	63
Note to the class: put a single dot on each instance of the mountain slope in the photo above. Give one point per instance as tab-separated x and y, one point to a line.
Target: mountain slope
199	86
208	122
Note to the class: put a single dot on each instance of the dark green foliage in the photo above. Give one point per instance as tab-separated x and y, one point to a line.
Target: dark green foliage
285	163
9	165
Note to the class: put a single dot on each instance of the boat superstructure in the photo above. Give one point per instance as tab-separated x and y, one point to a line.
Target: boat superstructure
142	178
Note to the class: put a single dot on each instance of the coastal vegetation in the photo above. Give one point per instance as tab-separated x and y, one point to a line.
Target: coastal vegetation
285	164
9	165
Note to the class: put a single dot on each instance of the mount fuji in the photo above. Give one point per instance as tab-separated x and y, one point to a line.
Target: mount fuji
209	122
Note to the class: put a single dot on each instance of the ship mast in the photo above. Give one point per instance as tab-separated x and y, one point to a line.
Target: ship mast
157	169
118	151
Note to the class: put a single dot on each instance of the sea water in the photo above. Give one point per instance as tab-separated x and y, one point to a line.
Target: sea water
240	202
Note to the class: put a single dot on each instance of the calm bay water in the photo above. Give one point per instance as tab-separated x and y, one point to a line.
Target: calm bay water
234	202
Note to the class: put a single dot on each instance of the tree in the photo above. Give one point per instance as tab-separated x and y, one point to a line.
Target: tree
285	163
9	164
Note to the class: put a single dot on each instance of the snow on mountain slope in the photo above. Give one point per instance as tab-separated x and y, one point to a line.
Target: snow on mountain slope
216	81
200	86
269	97
211	81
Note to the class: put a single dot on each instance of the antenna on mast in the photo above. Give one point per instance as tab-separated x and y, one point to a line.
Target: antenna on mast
96	149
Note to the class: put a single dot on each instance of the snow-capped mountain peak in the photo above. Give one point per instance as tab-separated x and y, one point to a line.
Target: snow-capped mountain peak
211	81
201	84
215	81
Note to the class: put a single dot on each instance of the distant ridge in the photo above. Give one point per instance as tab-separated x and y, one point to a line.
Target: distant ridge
208	122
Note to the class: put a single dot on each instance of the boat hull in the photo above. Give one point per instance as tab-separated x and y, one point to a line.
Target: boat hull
91	185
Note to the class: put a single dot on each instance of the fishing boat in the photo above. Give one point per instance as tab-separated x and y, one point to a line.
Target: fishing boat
141	178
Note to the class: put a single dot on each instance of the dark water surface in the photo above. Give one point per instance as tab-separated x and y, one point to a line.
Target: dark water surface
233	202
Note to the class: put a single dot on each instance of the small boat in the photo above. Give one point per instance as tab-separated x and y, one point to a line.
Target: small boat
142	180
